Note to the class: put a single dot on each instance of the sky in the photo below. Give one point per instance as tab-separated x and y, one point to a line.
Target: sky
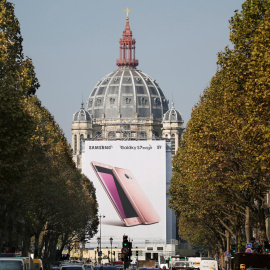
75	43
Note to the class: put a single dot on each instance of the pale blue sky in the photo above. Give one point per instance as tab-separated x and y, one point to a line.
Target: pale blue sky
74	43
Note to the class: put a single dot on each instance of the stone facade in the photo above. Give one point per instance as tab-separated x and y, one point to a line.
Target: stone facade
126	104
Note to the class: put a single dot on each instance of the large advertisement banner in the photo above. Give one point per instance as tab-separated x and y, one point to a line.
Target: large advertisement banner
130	182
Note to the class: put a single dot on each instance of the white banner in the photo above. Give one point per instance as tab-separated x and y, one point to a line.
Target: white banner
130	182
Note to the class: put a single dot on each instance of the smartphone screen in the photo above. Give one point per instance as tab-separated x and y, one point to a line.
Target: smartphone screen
118	195
141	203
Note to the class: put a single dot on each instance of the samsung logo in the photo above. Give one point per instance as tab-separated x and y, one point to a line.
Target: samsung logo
100	147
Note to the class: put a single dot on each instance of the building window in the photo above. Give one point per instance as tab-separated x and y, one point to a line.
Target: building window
150	248
75	145
111	135
143	135
81	143
143	100
98	101
126	127
112	100
155	257
156	101
148	256
173	143
128	100
159	248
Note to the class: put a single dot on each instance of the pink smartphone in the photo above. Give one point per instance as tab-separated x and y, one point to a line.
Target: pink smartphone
137	197
117	196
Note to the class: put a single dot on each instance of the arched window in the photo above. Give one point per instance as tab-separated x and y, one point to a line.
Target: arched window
75	145
112	100
81	143
111	135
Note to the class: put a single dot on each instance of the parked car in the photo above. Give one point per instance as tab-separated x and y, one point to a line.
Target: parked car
75	266
88	266
14	263
178	265
105	267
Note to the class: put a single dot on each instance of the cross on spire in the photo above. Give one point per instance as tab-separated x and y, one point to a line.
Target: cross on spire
127	11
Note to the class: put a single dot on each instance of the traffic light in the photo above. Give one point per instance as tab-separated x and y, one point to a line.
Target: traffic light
137	253
233	249
121	257
125	241
266	246
97	250
258	248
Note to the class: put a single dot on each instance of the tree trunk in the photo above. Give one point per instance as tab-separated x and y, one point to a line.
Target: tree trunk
36	246
262	221
247	224
228	247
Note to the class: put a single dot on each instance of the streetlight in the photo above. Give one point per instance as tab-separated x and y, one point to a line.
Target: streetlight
111	240
100	216
98	240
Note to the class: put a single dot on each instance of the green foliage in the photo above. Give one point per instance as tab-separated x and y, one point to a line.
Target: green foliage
222	165
43	196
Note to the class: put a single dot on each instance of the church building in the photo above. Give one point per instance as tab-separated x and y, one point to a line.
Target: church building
126	104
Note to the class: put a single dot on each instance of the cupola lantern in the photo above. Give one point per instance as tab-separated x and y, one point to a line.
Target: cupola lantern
127	48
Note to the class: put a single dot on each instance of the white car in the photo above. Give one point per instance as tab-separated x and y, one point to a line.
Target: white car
14	263
72	267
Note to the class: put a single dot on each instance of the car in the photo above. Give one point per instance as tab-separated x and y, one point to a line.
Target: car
88	266
178	265
255	268
75	266
105	267
14	263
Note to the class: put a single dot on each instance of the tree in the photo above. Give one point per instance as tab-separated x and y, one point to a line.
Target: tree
45	200
223	161
17	83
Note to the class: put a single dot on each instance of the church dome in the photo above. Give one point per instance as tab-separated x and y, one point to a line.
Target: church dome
81	115
127	93
173	115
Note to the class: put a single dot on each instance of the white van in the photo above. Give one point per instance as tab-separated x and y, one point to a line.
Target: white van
204	263
13	263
